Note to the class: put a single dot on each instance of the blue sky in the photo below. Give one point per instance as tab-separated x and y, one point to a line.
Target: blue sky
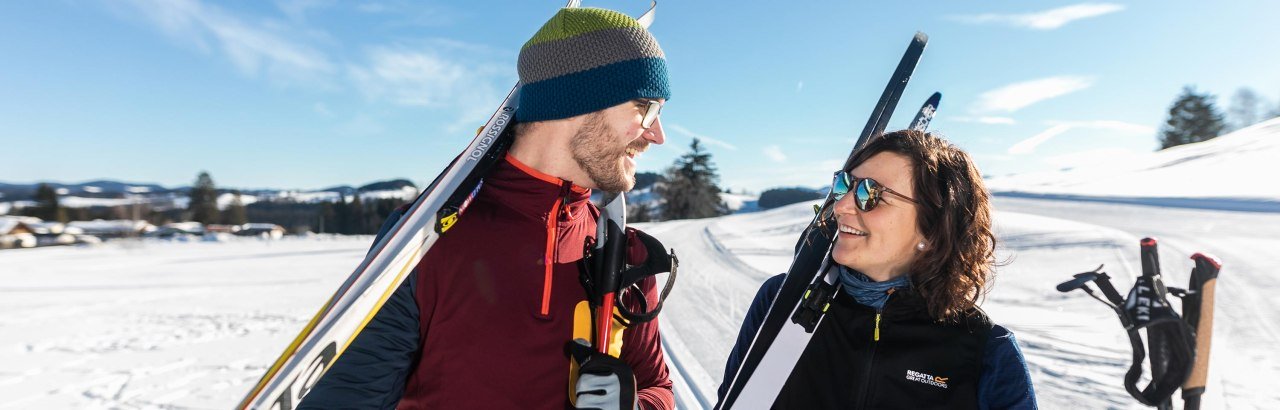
316	93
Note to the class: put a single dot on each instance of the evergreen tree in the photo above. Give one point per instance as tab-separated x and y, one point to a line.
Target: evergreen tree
235	214
640	212
1246	109
356	217
690	190
1192	118
47	207
204	200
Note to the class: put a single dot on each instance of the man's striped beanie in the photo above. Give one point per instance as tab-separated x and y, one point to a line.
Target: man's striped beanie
585	60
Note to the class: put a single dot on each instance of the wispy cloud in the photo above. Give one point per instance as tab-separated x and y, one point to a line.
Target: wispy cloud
799	86
1029	145
322	109
1044	20
1017	96
775	154
297	9
253	48
986	120
436	74
1057	128
708	140
1100	156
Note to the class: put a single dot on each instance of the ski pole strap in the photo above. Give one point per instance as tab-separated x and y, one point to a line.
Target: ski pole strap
1170	339
1175	340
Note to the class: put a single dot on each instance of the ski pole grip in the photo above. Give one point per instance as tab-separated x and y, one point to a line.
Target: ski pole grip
1205	274
1079	281
1150	260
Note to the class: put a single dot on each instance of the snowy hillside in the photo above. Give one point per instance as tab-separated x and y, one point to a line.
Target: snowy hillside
1229	172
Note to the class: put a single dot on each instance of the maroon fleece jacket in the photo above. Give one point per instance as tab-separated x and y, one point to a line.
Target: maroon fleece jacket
496	297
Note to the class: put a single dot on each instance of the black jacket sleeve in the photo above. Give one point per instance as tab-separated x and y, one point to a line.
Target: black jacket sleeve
750	324
372	372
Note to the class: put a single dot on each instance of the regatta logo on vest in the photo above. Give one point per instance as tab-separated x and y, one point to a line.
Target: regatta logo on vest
928	379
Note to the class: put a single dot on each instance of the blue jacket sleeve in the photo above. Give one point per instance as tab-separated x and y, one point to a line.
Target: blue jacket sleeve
372	372
750	324
1005	382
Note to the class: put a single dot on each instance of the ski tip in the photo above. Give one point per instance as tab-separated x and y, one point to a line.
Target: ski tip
937	95
1148	242
921	37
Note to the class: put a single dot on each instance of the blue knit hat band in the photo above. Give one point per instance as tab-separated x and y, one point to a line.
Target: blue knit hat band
593	90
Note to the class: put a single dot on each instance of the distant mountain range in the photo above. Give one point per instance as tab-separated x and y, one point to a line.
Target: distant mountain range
116	189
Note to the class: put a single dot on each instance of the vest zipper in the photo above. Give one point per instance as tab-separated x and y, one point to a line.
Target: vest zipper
871	354
558	213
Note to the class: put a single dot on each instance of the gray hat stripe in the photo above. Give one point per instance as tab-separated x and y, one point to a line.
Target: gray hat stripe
586	51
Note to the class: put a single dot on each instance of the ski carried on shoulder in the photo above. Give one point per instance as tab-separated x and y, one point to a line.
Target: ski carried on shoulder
811	282
324	338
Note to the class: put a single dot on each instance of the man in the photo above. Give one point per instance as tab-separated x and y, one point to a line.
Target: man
486	318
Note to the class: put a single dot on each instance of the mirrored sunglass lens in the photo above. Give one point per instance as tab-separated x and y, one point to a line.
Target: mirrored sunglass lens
864	195
840	186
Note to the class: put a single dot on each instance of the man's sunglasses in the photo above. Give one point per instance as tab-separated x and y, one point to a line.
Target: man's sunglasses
866	191
650	110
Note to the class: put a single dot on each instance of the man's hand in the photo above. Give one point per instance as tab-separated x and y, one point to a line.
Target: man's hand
604	382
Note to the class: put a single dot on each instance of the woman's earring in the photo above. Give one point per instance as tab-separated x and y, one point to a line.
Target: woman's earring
920	246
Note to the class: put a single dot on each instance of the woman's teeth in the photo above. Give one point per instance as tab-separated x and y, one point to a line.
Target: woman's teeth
849	230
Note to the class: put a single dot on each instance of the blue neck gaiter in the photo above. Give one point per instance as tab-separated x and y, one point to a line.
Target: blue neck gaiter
866	291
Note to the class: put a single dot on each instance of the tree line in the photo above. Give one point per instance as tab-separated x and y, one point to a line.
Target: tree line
1194	117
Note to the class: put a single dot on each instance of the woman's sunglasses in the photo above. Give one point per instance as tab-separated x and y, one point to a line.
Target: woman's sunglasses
866	191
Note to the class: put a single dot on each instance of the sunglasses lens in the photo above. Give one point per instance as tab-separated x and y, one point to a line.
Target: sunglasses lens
840	186
651	112
865	195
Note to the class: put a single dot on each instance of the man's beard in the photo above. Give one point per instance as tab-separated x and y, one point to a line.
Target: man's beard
595	148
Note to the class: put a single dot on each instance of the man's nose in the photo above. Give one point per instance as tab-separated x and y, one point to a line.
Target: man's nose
655	134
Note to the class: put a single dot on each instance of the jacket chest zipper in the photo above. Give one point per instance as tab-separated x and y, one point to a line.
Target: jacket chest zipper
871	356
557	213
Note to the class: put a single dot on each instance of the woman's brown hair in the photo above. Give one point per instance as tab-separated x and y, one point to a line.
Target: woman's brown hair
954	215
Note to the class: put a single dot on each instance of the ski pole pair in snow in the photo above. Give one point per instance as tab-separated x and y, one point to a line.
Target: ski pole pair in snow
1178	346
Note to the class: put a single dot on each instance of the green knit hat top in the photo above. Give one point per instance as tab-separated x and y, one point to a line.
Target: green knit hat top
585	60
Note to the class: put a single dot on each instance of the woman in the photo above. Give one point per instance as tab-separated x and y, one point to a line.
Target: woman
916	251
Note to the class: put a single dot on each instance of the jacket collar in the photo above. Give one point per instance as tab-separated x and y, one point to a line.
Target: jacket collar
533	193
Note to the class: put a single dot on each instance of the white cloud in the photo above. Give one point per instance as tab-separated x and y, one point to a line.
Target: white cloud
708	140
297	9
1029	145
1045	20
1017	96
253	48
322	109
774	153
439	74
986	120
1100	156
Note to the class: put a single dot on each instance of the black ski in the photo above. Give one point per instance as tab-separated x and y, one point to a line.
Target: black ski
925	115
797	309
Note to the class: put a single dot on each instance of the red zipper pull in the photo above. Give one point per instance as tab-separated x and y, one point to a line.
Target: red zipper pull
566	188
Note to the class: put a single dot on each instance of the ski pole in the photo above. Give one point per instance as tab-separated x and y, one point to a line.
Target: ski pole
1197	308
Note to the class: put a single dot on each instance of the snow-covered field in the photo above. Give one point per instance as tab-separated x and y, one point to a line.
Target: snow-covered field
191	325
